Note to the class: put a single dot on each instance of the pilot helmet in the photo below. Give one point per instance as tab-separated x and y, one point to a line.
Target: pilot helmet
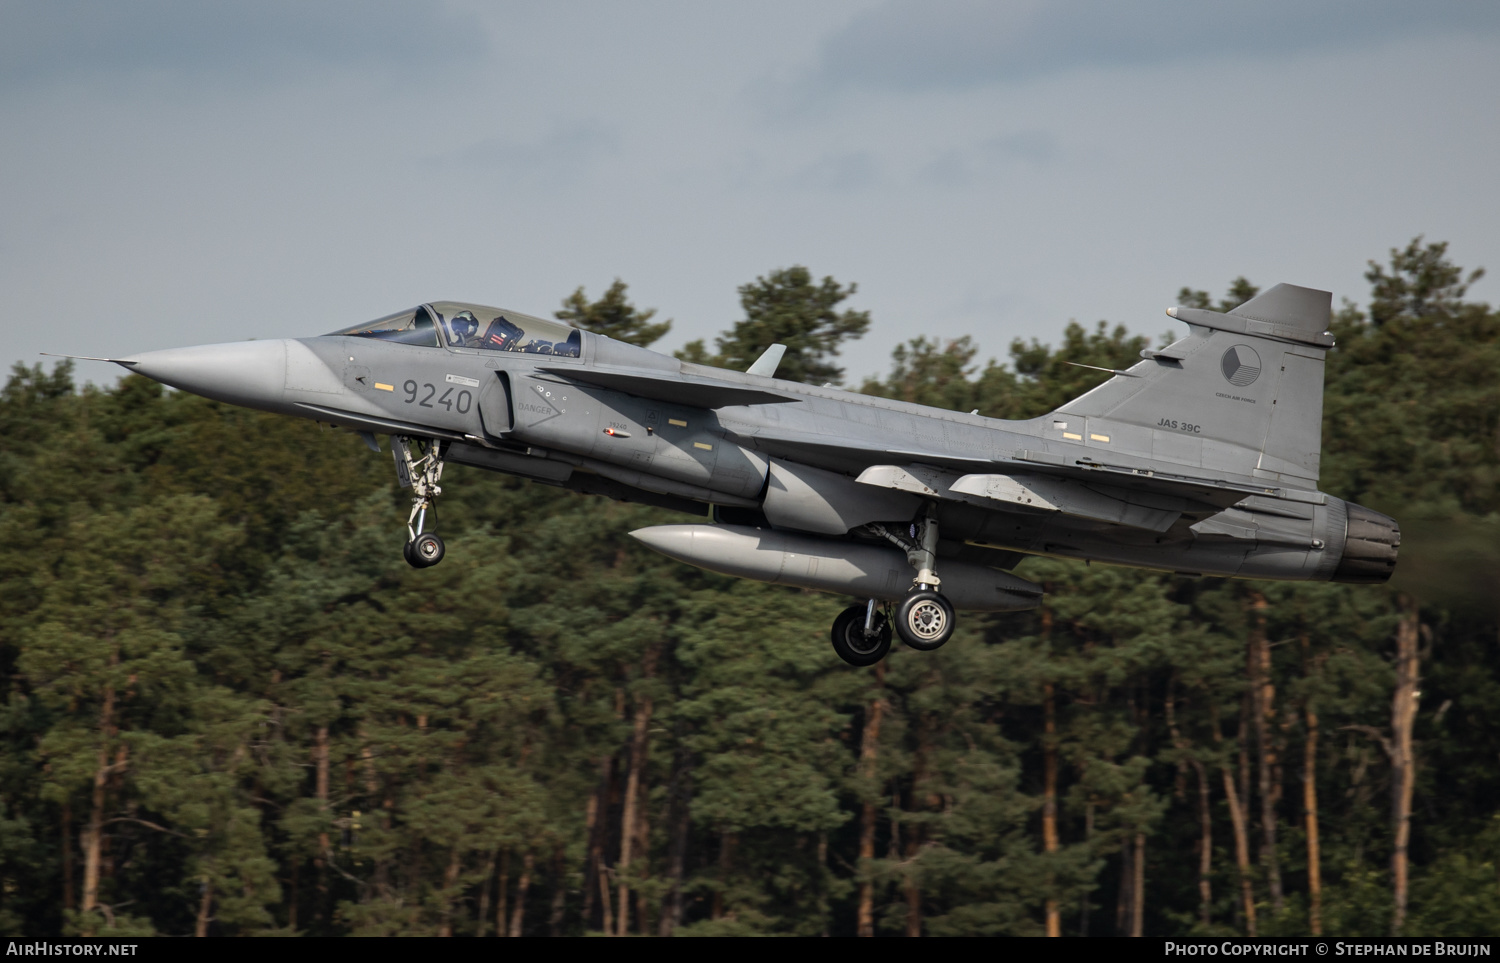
465	325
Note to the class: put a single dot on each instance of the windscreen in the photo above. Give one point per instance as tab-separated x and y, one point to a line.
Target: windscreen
495	329
406	327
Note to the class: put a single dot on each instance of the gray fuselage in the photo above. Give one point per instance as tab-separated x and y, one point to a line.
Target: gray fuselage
799	458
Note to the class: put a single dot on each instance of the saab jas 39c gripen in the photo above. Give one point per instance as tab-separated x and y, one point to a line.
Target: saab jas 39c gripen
1201	458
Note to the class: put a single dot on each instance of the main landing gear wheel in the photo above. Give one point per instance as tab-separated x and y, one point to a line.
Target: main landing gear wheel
925	620
426	550
852	644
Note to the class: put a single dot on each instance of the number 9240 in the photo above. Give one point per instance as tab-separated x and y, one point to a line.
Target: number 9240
429	397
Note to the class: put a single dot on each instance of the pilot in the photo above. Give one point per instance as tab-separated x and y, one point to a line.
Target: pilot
465	328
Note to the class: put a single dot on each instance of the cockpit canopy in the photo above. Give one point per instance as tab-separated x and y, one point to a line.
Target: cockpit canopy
464	325
405	327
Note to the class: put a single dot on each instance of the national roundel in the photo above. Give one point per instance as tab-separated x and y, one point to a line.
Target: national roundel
1241	365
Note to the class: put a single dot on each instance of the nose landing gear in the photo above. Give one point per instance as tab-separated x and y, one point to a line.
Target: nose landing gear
423	551
421	474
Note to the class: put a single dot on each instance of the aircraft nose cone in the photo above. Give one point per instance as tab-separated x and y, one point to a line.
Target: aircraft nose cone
248	373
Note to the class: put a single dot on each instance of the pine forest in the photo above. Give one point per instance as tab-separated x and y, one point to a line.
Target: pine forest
231	708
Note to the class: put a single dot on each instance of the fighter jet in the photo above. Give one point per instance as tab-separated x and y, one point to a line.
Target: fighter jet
1200	459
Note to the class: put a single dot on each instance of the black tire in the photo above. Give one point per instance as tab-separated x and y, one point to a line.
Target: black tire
426	550
849	639
406	554
925	620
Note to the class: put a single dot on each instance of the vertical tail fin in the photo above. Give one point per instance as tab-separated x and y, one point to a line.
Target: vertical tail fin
1243	392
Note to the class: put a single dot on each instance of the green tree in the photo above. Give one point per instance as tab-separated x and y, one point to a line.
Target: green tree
308	736
1422	283
613	316
1240	291
108	658
787	307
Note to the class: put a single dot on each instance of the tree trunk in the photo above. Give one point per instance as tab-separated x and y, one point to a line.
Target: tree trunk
67	855
911	883
596	872
1241	836
1310	801
1205	811
93	837
1263	698
726	860
1241	852
381	875
913	893
823	880
643	849
482	926
1138	888
450	880
518	915
320	763
205	904
628	818
559	891
1205	845
868	758
1088	839
1049	800
606	906
1247	712
1403	768
914	834
1310	810
591	832
677	820
320	789
502	888
893	843
291	903
1125	898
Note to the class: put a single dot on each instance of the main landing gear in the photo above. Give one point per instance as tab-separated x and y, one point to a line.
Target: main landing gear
862	634
924	618
421	474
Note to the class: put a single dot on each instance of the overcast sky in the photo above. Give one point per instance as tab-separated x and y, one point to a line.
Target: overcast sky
178	172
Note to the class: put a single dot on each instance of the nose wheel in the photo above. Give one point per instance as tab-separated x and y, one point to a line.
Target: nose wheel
420	472
423	551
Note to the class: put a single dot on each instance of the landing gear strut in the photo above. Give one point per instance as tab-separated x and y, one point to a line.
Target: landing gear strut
924	619
421	474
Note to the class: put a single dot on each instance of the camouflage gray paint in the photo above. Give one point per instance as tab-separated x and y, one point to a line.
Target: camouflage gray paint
1201	458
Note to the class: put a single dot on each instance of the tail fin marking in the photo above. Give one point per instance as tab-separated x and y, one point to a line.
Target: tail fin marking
1243	392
